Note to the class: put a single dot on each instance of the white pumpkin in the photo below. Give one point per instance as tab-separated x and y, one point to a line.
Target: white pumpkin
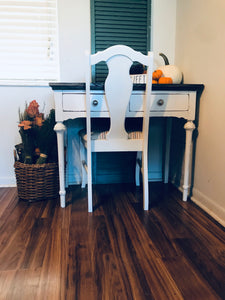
171	70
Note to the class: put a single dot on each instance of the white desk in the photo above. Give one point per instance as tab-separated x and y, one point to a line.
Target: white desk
167	101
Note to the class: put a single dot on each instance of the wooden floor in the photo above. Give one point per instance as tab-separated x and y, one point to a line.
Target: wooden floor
173	251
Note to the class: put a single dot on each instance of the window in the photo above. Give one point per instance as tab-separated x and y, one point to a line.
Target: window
28	41
119	22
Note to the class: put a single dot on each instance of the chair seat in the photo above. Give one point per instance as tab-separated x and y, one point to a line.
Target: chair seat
101	135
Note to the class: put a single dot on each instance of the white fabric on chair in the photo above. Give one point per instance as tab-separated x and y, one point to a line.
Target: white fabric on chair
101	135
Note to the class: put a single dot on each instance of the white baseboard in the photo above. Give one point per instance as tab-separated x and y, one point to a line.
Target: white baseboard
209	206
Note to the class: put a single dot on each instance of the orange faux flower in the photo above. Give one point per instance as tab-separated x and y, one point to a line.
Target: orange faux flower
39	120
32	109
25	124
37	151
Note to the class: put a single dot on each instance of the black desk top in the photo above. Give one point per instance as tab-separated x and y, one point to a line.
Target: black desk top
137	87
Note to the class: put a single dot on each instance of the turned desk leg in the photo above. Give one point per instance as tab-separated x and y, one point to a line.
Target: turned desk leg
189	127
60	129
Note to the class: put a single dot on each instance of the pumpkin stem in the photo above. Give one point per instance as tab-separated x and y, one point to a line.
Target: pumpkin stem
165	58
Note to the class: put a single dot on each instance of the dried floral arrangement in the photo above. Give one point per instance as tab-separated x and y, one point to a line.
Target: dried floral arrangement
38	136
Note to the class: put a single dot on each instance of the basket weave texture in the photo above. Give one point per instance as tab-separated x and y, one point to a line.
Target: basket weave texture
37	182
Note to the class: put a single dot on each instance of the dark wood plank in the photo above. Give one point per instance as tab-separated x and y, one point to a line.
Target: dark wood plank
192	240
6	206
161	283
173	251
15	235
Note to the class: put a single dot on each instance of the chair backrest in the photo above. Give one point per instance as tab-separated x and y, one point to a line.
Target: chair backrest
118	84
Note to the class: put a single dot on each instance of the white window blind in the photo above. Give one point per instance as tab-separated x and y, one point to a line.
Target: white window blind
28	41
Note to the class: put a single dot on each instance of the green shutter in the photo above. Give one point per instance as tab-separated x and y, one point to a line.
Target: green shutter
115	22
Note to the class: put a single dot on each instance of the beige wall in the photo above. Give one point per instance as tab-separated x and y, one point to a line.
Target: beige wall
74	38
163	30
200	53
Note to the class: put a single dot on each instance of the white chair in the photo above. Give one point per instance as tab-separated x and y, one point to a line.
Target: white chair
118	89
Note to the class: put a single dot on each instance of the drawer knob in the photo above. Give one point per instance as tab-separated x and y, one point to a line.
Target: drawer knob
160	102
95	102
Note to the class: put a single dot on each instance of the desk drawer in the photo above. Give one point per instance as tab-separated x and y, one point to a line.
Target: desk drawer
76	102
161	102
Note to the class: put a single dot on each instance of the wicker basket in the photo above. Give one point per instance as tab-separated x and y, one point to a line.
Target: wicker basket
37	182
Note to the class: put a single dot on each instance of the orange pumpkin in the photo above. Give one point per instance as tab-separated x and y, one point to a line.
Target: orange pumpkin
156	74
154	81
165	80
